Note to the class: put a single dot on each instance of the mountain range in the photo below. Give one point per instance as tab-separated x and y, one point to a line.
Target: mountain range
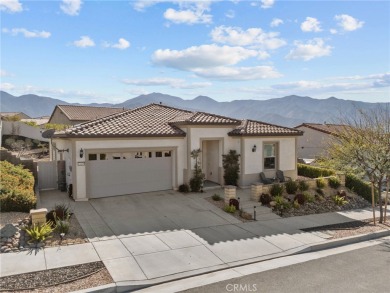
288	111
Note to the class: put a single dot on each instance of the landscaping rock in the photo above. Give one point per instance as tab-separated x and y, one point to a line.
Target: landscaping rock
8	230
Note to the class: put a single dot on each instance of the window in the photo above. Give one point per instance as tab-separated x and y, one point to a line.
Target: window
158	154
102	156
92	157
167	153
269	152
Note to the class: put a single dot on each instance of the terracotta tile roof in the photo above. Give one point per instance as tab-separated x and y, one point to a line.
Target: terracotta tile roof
87	113
258	128
325	128
201	118
150	120
162	121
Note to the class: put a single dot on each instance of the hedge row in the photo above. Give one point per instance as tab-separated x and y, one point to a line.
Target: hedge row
314	172
360	187
16	188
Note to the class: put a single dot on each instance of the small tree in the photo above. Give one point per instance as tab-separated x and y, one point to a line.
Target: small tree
363	146
231	166
196	181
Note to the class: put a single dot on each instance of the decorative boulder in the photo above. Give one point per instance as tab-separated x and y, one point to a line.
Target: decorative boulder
8	231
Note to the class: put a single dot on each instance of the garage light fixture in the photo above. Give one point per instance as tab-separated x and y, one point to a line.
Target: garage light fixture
81	153
254	149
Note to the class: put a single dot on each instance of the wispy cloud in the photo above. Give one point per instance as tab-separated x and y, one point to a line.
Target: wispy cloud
346	23
190	13
265	4
276	22
84	42
11	6
26	33
6	86
170	82
314	48
122	44
71	7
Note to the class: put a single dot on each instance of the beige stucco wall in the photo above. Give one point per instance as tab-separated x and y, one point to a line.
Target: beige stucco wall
312	144
253	161
90	145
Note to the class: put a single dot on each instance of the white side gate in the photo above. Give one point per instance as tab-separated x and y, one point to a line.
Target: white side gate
47	175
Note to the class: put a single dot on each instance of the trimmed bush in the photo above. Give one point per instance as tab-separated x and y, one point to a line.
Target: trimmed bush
184	188
334	182
314	172
276	189
360	187
16	188
291	187
231	167
281	204
320	182
308	197
320	191
300	199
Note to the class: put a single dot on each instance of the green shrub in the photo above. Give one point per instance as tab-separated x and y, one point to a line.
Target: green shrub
197	179
276	189
216	197
39	233
59	212
360	187
321	183
30	123
231	166
16	188
302	185
339	200
320	191
229	209
334	182
308	197
291	186
62	226
281	204
184	188
314	172
57	127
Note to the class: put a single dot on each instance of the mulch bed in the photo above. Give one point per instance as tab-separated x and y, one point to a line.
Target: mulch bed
58	280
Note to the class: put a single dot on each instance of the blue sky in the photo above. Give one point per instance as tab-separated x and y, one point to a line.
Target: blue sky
110	51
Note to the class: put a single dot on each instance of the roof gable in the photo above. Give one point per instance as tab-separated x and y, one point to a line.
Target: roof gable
324	128
85	113
258	128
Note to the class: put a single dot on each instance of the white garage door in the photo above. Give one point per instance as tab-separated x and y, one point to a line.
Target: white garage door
110	174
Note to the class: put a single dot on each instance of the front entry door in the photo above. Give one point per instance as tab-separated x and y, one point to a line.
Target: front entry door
211	159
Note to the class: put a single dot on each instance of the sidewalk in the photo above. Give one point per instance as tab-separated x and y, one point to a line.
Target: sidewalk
158	257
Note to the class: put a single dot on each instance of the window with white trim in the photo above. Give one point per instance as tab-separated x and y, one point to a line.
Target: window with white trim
269	155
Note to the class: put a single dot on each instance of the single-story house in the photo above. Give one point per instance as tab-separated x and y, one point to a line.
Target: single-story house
313	142
74	114
149	149
20	115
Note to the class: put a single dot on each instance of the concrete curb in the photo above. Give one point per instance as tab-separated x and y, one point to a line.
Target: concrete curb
129	286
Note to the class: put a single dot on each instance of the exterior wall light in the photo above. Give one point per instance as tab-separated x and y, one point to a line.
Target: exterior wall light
81	153
254	149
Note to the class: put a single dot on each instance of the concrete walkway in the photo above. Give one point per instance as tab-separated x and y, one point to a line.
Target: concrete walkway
188	249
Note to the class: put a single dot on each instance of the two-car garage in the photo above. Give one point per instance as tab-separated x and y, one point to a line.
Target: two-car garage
127	172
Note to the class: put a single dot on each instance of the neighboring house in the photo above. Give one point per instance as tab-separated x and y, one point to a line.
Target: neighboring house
314	141
149	149
39	121
21	115
72	115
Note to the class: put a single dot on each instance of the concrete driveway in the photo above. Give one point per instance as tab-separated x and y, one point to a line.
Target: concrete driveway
164	235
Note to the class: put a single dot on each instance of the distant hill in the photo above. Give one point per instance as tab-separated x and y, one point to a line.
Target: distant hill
288	111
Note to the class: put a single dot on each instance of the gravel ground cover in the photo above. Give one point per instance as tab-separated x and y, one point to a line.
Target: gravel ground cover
64	279
20	240
351	229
